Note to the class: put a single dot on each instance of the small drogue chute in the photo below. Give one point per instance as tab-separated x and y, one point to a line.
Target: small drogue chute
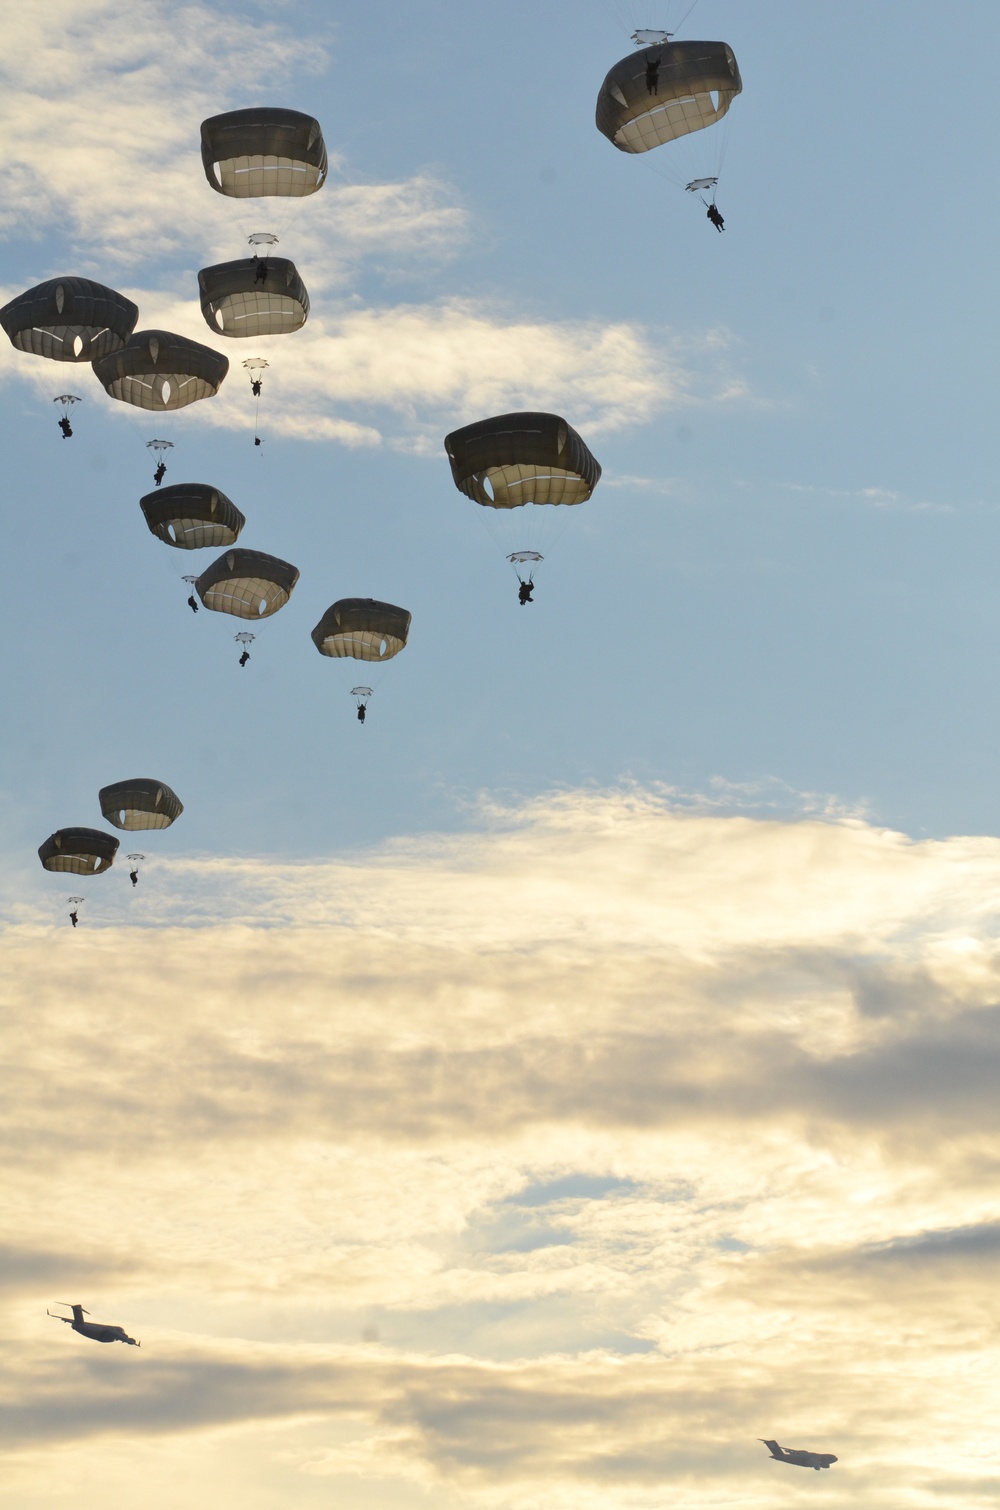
158	370
66	402
97	1331
69	320
362	629
530	462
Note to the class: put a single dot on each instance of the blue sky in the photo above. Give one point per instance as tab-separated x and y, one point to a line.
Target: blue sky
588	1066
797	589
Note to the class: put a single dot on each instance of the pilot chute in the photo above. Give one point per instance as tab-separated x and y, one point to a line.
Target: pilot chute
69	320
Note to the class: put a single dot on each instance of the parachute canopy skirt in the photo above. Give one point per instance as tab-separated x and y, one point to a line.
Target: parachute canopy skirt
140	803
247	584
158	370
69	320
515	459
263	153
236	303
696	84
83	851
191	515
363	629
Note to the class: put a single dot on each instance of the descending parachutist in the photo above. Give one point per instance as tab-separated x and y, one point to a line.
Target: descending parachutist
255	387
715	217
524	592
160	473
653	74
361	713
66	427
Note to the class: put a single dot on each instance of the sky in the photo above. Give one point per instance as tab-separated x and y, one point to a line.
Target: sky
587	1067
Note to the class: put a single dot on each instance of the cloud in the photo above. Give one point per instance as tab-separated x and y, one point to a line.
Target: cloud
559	1158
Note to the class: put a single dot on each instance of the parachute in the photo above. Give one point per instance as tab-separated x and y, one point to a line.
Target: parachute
514	461
159	370
82	851
696	84
237	300
69	320
140	803
191	515
247	584
665	93
362	629
263	153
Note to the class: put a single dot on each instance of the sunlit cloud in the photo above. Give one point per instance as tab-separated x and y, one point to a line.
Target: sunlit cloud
559	1158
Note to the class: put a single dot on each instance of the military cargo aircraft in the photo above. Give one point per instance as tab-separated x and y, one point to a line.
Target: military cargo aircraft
96	1330
798	1456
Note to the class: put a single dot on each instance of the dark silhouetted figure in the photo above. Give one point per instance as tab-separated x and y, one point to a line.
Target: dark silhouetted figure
192	604
362	710
244	657
260	271
160	473
255	387
74	917
524	592
653	74
256	440
133	876
716	218
66	427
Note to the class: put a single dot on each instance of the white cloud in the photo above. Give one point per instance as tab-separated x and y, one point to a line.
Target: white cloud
551	1162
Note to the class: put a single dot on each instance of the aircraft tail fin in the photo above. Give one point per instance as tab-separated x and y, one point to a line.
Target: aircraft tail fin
772	1447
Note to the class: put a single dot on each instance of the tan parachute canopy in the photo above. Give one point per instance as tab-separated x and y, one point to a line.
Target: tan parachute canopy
191	515
159	370
236	302
69	320
82	851
247	584
514	459
363	629
140	803
695	84
262	153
